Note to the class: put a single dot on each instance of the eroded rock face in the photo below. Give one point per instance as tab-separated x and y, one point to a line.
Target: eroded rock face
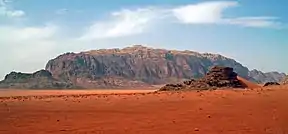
137	63
39	80
217	77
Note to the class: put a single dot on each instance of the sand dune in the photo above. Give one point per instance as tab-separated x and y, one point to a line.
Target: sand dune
248	84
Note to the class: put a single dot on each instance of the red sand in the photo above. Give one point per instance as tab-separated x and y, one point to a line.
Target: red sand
207	112
247	83
9	92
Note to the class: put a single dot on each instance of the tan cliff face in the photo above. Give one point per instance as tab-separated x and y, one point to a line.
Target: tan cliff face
138	63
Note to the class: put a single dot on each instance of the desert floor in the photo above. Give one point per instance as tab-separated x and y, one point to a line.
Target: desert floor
13	92
258	111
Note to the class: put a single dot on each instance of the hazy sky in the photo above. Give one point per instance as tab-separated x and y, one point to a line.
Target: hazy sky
253	32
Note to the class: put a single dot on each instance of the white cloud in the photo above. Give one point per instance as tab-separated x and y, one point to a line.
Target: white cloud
20	34
254	21
213	13
27	38
62	11
11	13
123	23
26	48
206	12
7	11
130	22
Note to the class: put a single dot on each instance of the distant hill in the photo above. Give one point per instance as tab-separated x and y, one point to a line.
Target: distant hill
140	66
39	80
261	77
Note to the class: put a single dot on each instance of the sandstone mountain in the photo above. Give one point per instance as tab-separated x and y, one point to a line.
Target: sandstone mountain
261	77
136	66
39	80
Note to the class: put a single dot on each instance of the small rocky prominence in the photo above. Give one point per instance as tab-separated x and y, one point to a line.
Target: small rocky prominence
217	77
39	80
271	84
285	81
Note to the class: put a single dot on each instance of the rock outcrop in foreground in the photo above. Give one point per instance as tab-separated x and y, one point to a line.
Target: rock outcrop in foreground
39	80
217	77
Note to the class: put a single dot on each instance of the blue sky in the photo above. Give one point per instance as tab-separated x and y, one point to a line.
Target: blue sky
253	32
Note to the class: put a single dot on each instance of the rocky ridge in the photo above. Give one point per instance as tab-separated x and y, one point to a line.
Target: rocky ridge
260	77
39	80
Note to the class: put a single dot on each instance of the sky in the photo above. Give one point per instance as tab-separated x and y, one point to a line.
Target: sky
253	32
